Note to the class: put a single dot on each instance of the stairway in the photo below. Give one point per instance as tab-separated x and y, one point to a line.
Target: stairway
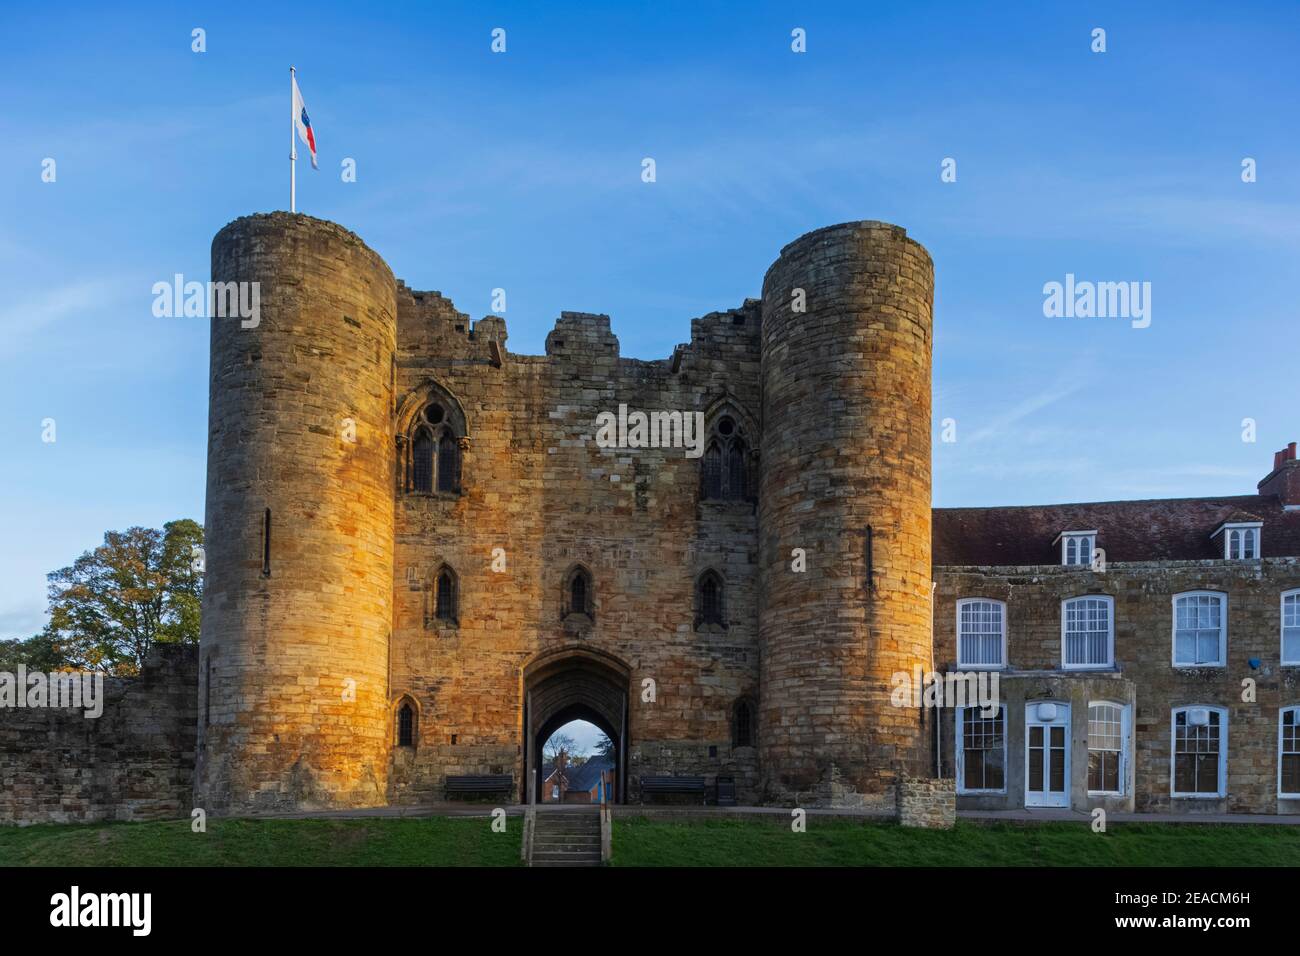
567	837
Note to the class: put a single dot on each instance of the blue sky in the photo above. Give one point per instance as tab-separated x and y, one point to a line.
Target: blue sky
522	171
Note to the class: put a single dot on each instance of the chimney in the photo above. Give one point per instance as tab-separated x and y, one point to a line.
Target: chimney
1284	479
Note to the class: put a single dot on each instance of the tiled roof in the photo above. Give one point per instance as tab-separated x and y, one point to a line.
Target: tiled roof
1170	529
585	775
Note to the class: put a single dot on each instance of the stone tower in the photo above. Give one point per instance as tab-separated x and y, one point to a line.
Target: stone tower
846	355
297	612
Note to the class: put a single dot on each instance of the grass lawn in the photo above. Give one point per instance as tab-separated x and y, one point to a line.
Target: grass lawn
431	841
461	841
643	842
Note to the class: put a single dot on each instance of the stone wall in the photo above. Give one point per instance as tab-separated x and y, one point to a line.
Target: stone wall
297	602
133	762
928	802
535	484
846	477
1143	674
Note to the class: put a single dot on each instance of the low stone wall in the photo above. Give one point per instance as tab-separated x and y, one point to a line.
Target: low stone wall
927	802
133	762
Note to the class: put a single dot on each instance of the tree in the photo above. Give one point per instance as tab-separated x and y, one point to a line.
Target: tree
39	653
605	748
556	745
113	604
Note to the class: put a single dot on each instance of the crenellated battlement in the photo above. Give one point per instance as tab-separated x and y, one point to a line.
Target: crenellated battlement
400	503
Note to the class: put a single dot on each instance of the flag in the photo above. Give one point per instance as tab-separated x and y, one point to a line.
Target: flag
302	123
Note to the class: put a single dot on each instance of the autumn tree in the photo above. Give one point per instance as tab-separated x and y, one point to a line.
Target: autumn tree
141	587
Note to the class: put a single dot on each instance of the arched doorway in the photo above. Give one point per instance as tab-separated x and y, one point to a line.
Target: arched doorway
574	683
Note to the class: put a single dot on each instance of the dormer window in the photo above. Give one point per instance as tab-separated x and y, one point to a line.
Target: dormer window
1077	547
1240	539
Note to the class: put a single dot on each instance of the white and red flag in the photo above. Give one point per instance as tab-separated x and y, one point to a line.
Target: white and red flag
302	123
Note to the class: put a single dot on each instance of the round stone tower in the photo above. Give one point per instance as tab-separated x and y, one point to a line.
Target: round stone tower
297	608
846	354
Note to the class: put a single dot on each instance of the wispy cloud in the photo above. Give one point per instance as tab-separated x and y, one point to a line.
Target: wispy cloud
21	321
1073	380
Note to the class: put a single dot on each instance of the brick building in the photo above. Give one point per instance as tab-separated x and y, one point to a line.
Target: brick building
1148	651
426	553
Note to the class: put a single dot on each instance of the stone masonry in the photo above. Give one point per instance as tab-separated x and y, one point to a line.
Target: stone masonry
359	545
133	762
425	554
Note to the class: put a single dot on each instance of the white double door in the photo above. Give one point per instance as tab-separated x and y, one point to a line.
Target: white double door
1047	754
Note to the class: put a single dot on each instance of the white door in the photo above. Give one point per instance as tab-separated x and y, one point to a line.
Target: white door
1047	754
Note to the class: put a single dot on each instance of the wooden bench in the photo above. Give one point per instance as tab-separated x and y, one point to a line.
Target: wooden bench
491	783
658	785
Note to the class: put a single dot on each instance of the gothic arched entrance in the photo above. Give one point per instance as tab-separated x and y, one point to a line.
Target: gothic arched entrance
574	683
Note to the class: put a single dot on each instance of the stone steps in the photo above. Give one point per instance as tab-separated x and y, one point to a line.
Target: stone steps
567	839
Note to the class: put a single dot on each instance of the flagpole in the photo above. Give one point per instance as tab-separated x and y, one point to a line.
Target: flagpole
293	148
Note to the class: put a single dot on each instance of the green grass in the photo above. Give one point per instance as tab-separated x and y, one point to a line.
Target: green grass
731	842
430	841
464	841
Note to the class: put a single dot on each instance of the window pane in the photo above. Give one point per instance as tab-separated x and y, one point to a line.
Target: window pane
736	470
1105	745
1198	623
422	462
982	750
1291	627
1087	631
713	472
1035	768
1291	773
1196	760
448	464
980	633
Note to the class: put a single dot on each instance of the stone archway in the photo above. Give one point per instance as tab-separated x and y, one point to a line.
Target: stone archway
574	683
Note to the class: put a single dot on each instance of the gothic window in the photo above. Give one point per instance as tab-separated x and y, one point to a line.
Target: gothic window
448	463
406	723
434	460
578	592
445	598
712	473
442	598
709	608
422	461
725	468
737	470
742	724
